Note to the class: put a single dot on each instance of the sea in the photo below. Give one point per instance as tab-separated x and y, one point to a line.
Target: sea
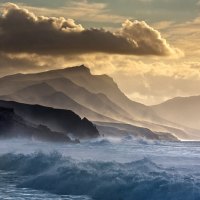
102	169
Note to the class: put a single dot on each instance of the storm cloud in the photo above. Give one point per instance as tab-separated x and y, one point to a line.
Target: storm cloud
21	31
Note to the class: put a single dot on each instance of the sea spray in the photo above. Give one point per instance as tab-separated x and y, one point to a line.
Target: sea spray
148	172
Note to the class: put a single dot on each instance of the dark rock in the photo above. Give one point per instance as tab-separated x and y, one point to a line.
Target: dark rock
57	120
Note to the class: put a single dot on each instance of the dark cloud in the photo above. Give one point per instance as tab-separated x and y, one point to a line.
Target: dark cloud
23	32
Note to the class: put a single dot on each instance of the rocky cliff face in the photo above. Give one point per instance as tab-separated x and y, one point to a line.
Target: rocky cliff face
13	126
42	123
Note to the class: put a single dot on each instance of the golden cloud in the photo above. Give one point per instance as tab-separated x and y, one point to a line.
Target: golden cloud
21	31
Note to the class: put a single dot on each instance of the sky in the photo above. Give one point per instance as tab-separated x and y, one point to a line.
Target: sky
150	47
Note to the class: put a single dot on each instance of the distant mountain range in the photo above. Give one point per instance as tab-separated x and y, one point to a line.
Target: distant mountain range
95	97
76	85
44	94
181	110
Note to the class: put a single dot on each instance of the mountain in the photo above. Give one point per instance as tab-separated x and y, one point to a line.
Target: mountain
96	97
98	102
181	110
57	120
44	94
97	92
103	84
14	126
47	124
126	130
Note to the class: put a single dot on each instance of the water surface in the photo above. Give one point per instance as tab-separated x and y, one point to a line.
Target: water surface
104	169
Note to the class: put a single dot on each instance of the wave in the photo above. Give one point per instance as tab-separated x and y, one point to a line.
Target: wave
104	141
138	180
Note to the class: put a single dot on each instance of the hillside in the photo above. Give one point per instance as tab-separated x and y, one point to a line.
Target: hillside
57	120
181	110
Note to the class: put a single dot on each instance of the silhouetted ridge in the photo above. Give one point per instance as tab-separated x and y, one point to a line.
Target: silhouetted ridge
14	126
58	120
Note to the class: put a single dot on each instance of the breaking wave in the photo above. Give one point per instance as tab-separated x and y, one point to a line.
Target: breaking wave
142	179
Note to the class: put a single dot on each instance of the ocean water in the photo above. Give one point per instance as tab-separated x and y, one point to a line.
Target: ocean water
104	169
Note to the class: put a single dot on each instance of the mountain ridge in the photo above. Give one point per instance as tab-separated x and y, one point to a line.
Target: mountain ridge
44	94
95	84
14	126
182	110
58	120
97	92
